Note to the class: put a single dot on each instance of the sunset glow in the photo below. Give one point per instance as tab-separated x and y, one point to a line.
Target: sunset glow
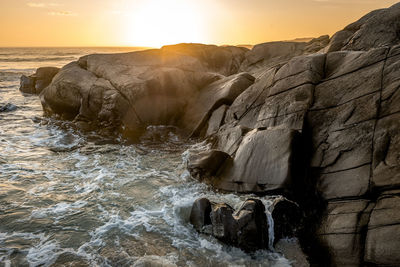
155	23
158	22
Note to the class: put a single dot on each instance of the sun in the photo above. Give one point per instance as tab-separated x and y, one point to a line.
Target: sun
155	23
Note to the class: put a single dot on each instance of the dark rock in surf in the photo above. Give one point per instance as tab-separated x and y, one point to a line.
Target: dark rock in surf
287	218
247	228
27	84
252	225
200	214
8	107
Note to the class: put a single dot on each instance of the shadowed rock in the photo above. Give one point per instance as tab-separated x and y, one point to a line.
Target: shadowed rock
200	214
247	228
287	218
383	237
341	231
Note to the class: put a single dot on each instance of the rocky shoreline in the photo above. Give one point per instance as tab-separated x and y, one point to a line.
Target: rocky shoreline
316	122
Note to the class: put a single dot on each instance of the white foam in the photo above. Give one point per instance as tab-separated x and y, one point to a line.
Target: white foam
59	210
45	253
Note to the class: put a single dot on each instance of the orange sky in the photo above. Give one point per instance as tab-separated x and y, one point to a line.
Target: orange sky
158	22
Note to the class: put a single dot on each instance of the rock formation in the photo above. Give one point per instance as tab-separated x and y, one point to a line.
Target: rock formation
246	228
34	84
320	125
177	85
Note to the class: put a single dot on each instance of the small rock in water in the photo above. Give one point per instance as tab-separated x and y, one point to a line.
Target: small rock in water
252	225
200	214
247	228
35	83
8	107
27	84
287	218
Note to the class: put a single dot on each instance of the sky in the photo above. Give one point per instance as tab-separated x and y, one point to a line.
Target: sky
154	23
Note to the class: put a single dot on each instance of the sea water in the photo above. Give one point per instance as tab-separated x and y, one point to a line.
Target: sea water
68	199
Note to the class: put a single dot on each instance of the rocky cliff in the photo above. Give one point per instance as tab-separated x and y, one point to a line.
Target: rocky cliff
318	122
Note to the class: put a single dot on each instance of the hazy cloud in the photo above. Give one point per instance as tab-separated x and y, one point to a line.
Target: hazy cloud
62	13
116	12
42	5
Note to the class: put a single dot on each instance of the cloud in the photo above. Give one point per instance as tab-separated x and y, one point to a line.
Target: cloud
116	12
42	5
62	13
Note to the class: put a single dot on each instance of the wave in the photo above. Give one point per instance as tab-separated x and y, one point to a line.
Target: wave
37	59
13	76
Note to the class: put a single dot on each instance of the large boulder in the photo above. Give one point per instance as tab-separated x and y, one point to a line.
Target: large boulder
176	85
264	162
35	83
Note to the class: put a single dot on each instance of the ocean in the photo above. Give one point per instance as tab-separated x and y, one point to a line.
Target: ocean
69	199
